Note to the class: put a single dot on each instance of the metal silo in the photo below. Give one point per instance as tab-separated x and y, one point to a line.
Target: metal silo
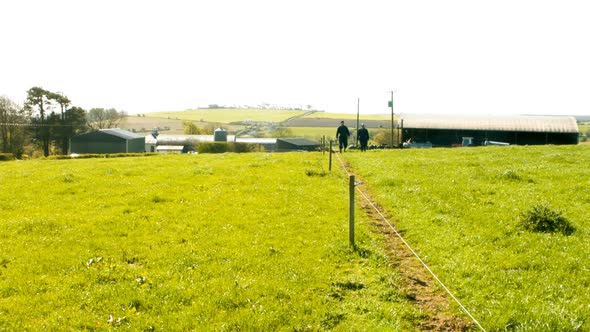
220	135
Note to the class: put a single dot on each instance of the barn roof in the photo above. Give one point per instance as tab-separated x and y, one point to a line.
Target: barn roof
299	141
256	140
172	139
521	123
177	148
125	134
110	135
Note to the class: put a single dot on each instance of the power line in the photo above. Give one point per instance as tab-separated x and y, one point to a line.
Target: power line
38	125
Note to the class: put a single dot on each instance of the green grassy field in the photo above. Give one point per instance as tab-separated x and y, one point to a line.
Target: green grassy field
461	208
255	242
584	127
348	116
259	241
144	125
313	133
224	115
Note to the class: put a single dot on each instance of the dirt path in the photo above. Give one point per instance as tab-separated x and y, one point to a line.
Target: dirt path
418	284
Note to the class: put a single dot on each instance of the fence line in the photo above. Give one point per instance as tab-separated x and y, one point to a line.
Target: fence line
410	248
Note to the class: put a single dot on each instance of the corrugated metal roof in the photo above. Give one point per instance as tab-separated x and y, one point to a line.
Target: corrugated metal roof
170	148
255	140
170	139
181	139
522	123
121	133
299	141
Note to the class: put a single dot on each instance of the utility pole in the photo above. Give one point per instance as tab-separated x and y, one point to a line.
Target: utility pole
358	107
391	105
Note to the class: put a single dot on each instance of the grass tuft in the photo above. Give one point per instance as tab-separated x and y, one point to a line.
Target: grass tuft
542	219
313	172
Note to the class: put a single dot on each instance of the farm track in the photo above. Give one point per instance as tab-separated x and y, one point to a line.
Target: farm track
418	285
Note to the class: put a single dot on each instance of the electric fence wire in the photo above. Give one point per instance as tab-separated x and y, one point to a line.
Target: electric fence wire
410	248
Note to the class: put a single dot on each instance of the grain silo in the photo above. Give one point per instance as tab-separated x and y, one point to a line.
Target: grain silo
220	135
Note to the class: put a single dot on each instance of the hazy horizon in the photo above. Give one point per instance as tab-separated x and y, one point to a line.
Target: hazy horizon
446	57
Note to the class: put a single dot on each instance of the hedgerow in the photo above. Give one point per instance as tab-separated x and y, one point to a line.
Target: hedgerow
222	147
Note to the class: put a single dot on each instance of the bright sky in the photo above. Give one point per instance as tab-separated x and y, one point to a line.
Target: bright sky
452	56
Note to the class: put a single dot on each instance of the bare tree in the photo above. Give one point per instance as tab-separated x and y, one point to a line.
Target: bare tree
100	118
190	128
12	133
281	132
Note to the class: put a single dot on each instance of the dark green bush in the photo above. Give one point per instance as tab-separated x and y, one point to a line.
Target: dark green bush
544	220
212	147
6	156
242	147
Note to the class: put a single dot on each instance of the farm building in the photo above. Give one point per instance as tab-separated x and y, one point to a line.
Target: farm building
183	143
107	141
186	143
169	148
299	144
269	144
440	130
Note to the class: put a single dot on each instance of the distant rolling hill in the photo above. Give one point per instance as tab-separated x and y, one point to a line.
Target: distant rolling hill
235	119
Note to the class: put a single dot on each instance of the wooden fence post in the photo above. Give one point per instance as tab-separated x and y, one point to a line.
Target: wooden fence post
330	153
351	211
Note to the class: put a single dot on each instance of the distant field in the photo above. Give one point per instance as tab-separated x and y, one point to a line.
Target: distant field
584	127
224	115
144	125
314	133
312	126
344	116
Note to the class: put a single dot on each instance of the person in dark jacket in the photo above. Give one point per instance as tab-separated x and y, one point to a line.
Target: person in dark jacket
342	134
363	135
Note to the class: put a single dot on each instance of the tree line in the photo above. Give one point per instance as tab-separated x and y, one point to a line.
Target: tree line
47	121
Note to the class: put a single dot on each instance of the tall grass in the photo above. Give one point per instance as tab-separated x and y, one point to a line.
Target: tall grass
460	208
253	242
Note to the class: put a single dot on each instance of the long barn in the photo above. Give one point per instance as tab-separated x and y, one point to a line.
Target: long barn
107	141
442	130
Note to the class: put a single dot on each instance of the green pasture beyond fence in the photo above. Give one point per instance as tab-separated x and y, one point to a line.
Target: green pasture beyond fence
463	209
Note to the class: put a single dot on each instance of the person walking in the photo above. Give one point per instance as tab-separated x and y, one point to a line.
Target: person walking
342	134
363	135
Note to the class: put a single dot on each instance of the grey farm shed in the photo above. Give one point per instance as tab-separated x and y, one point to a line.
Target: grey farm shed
107	141
301	144
445	130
